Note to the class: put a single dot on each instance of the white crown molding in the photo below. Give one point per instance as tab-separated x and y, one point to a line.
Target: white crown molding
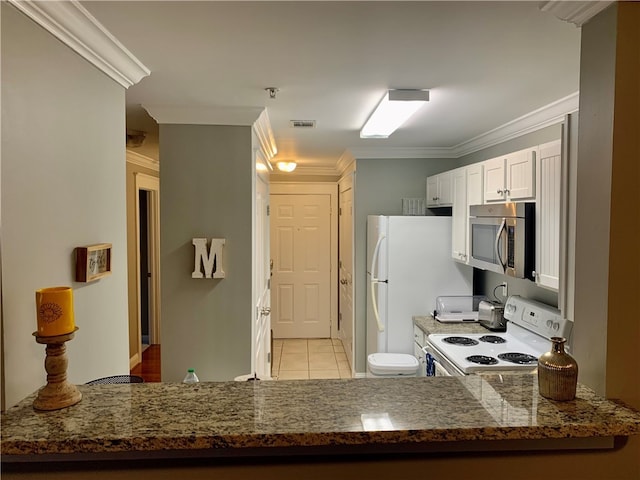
74	26
575	12
262	129
315	170
345	162
237	116
402	152
142	160
551	114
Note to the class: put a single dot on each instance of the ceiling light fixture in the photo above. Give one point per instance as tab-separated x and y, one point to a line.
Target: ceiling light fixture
394	109
287	166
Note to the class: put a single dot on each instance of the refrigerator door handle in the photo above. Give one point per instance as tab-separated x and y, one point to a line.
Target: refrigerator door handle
374	258
374	299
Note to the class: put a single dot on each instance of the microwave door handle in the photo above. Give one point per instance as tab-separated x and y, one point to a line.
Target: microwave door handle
503	227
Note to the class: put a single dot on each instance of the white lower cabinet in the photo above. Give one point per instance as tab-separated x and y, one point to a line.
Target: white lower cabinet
549	171
419	339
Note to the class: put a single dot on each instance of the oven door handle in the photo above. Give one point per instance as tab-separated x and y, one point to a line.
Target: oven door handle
501	230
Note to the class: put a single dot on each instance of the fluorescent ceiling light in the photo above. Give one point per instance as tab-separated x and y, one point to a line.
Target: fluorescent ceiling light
286	166
394	109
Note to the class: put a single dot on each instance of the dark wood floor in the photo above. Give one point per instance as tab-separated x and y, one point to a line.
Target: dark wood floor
149	368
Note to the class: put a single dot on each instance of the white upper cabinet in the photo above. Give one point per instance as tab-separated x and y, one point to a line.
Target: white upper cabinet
460	215
521	167
510	177
467	190
475	182
494	180
439	191
549	171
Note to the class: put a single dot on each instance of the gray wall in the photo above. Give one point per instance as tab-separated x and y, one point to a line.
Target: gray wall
63	186
595	149
380	186
206	191
485	282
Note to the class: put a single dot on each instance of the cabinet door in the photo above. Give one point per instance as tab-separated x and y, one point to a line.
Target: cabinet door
445	190
432	191
520	176
549	171
494	180
460	215
474	184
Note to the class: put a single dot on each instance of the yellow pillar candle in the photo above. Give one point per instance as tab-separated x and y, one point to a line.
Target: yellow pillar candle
54	307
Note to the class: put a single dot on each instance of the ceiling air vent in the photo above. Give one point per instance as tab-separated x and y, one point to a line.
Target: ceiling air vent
302	123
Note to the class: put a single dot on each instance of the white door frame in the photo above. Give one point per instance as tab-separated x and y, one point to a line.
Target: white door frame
261	321
347	183
320	188
152	185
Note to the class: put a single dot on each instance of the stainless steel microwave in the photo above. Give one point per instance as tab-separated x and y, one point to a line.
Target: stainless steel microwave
502	238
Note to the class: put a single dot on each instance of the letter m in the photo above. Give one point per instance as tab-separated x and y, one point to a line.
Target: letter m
211	260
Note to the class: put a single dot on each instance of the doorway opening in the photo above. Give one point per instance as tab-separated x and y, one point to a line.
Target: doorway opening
145	272
147	267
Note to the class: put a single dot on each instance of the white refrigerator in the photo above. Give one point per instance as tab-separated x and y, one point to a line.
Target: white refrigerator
409	264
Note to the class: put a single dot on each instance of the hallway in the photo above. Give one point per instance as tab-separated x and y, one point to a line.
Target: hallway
149	368
308	359
293	359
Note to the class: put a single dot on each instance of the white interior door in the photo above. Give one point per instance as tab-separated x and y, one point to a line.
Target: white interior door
301	255
262	318
345	317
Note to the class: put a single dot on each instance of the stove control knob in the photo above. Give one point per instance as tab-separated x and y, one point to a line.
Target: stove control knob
510	308
556	326
549	323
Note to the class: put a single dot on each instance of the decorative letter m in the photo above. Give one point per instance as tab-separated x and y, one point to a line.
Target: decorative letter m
211	260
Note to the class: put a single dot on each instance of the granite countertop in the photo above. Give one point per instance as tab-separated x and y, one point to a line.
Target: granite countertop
259	418
428	324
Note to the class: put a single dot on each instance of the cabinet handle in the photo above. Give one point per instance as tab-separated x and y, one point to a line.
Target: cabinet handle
507	191
434	198
500	192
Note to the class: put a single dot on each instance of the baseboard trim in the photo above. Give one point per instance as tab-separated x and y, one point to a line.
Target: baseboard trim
133	361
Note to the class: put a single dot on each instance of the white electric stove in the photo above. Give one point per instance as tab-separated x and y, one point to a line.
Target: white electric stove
530	326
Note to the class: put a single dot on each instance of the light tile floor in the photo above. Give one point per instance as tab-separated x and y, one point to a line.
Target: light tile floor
306	359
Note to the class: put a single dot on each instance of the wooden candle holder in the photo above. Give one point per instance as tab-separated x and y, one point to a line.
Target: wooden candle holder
58	392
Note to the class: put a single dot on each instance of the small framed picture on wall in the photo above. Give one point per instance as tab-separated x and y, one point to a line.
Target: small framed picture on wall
93	262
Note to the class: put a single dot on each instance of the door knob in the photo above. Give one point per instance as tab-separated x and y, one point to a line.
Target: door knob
265	310
343	281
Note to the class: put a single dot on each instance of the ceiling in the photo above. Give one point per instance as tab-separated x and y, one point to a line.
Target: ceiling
485	64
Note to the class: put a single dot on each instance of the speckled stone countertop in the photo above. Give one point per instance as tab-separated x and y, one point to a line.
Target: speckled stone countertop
428	324
259	418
